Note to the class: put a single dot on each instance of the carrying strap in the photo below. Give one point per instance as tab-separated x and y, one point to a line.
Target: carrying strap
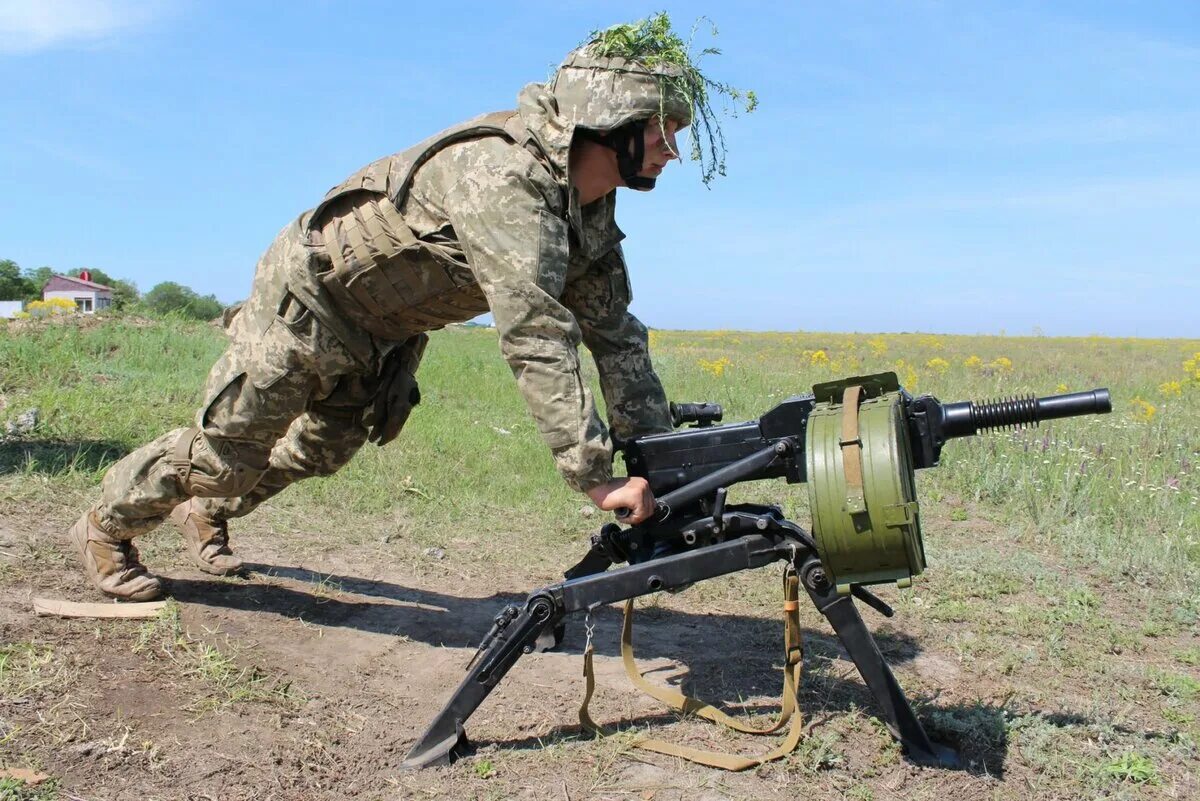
792	668
851	444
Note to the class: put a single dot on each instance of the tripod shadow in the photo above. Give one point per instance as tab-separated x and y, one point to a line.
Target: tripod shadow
728	656
454	621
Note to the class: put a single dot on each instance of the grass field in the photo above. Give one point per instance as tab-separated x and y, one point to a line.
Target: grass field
1055	638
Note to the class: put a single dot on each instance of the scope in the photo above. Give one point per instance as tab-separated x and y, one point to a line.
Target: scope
702	414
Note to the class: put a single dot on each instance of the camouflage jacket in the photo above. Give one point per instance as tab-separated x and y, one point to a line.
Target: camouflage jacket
552	273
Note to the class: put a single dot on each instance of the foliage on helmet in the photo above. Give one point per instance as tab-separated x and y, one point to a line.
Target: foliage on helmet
652	43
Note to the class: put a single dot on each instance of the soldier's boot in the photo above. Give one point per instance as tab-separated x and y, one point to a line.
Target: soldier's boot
205	540
112	563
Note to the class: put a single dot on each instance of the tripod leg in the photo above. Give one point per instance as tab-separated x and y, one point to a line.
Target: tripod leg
898	714
445	739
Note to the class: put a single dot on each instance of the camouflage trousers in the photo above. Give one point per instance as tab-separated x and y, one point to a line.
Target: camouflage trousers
287	400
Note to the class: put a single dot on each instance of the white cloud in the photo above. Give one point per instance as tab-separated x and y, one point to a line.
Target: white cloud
30	25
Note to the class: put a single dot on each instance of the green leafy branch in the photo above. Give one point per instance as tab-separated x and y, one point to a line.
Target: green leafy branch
654	44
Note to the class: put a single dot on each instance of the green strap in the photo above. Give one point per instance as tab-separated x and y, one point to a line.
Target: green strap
851	445
792	669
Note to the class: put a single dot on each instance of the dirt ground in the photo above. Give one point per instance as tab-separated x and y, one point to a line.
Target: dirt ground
312	677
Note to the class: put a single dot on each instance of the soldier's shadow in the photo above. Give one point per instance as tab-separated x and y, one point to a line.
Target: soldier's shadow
55	457
728	656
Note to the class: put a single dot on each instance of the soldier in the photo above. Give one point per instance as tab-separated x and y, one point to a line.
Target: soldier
511	212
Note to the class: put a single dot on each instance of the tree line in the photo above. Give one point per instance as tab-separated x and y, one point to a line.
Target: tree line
164	298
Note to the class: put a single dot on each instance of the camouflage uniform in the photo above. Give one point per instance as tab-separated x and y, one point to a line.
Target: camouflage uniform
482	216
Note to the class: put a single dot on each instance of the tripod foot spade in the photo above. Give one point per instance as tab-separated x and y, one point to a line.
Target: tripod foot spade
444	752
942	756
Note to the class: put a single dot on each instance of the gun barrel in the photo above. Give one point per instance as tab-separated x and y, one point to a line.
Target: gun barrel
966	418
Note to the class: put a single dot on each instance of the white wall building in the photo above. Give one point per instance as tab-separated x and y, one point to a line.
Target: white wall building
89	297
9	308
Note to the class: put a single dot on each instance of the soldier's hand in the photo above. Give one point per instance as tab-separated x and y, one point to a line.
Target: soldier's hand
631	493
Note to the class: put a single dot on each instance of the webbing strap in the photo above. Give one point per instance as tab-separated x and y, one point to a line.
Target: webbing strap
793	666
181	454
851	444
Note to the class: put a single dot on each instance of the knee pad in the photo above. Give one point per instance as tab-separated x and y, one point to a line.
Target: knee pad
208	467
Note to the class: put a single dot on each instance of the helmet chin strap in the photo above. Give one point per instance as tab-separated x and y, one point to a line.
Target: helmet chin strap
629	137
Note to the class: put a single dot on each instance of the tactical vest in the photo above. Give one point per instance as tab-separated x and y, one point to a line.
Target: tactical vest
385	279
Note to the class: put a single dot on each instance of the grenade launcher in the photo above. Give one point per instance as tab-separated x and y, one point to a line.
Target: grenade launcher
854	442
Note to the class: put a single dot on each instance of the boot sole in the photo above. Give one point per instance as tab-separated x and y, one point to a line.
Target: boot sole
213	570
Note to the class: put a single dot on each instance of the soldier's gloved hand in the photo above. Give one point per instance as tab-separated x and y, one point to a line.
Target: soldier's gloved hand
631	493
398	392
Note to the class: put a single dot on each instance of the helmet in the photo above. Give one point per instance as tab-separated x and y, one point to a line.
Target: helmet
609	100
603	93
626	74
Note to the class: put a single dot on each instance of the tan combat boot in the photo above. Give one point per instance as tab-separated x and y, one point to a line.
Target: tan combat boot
111	563
206	540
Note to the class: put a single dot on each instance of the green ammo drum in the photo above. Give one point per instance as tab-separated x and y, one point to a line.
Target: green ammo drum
860	483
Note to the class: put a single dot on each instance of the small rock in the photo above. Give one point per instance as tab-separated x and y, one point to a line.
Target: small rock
436	553
25	423
587	511
85	749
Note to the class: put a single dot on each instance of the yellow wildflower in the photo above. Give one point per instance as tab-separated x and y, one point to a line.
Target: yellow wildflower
907	375
1143	410
973	363
938	365
1171	389
654	339
44	308
819	357
1061	388
1192	367
879	346
931	342
1002	364
715	367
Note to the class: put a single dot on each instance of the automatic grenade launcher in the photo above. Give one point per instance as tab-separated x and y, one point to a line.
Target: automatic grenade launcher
855	443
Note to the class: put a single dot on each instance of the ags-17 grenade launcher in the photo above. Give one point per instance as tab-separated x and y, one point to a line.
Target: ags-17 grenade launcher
855	443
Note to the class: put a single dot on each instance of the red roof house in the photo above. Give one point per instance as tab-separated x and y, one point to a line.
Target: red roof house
89	296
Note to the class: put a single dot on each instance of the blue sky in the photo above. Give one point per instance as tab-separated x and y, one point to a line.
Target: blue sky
914	166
